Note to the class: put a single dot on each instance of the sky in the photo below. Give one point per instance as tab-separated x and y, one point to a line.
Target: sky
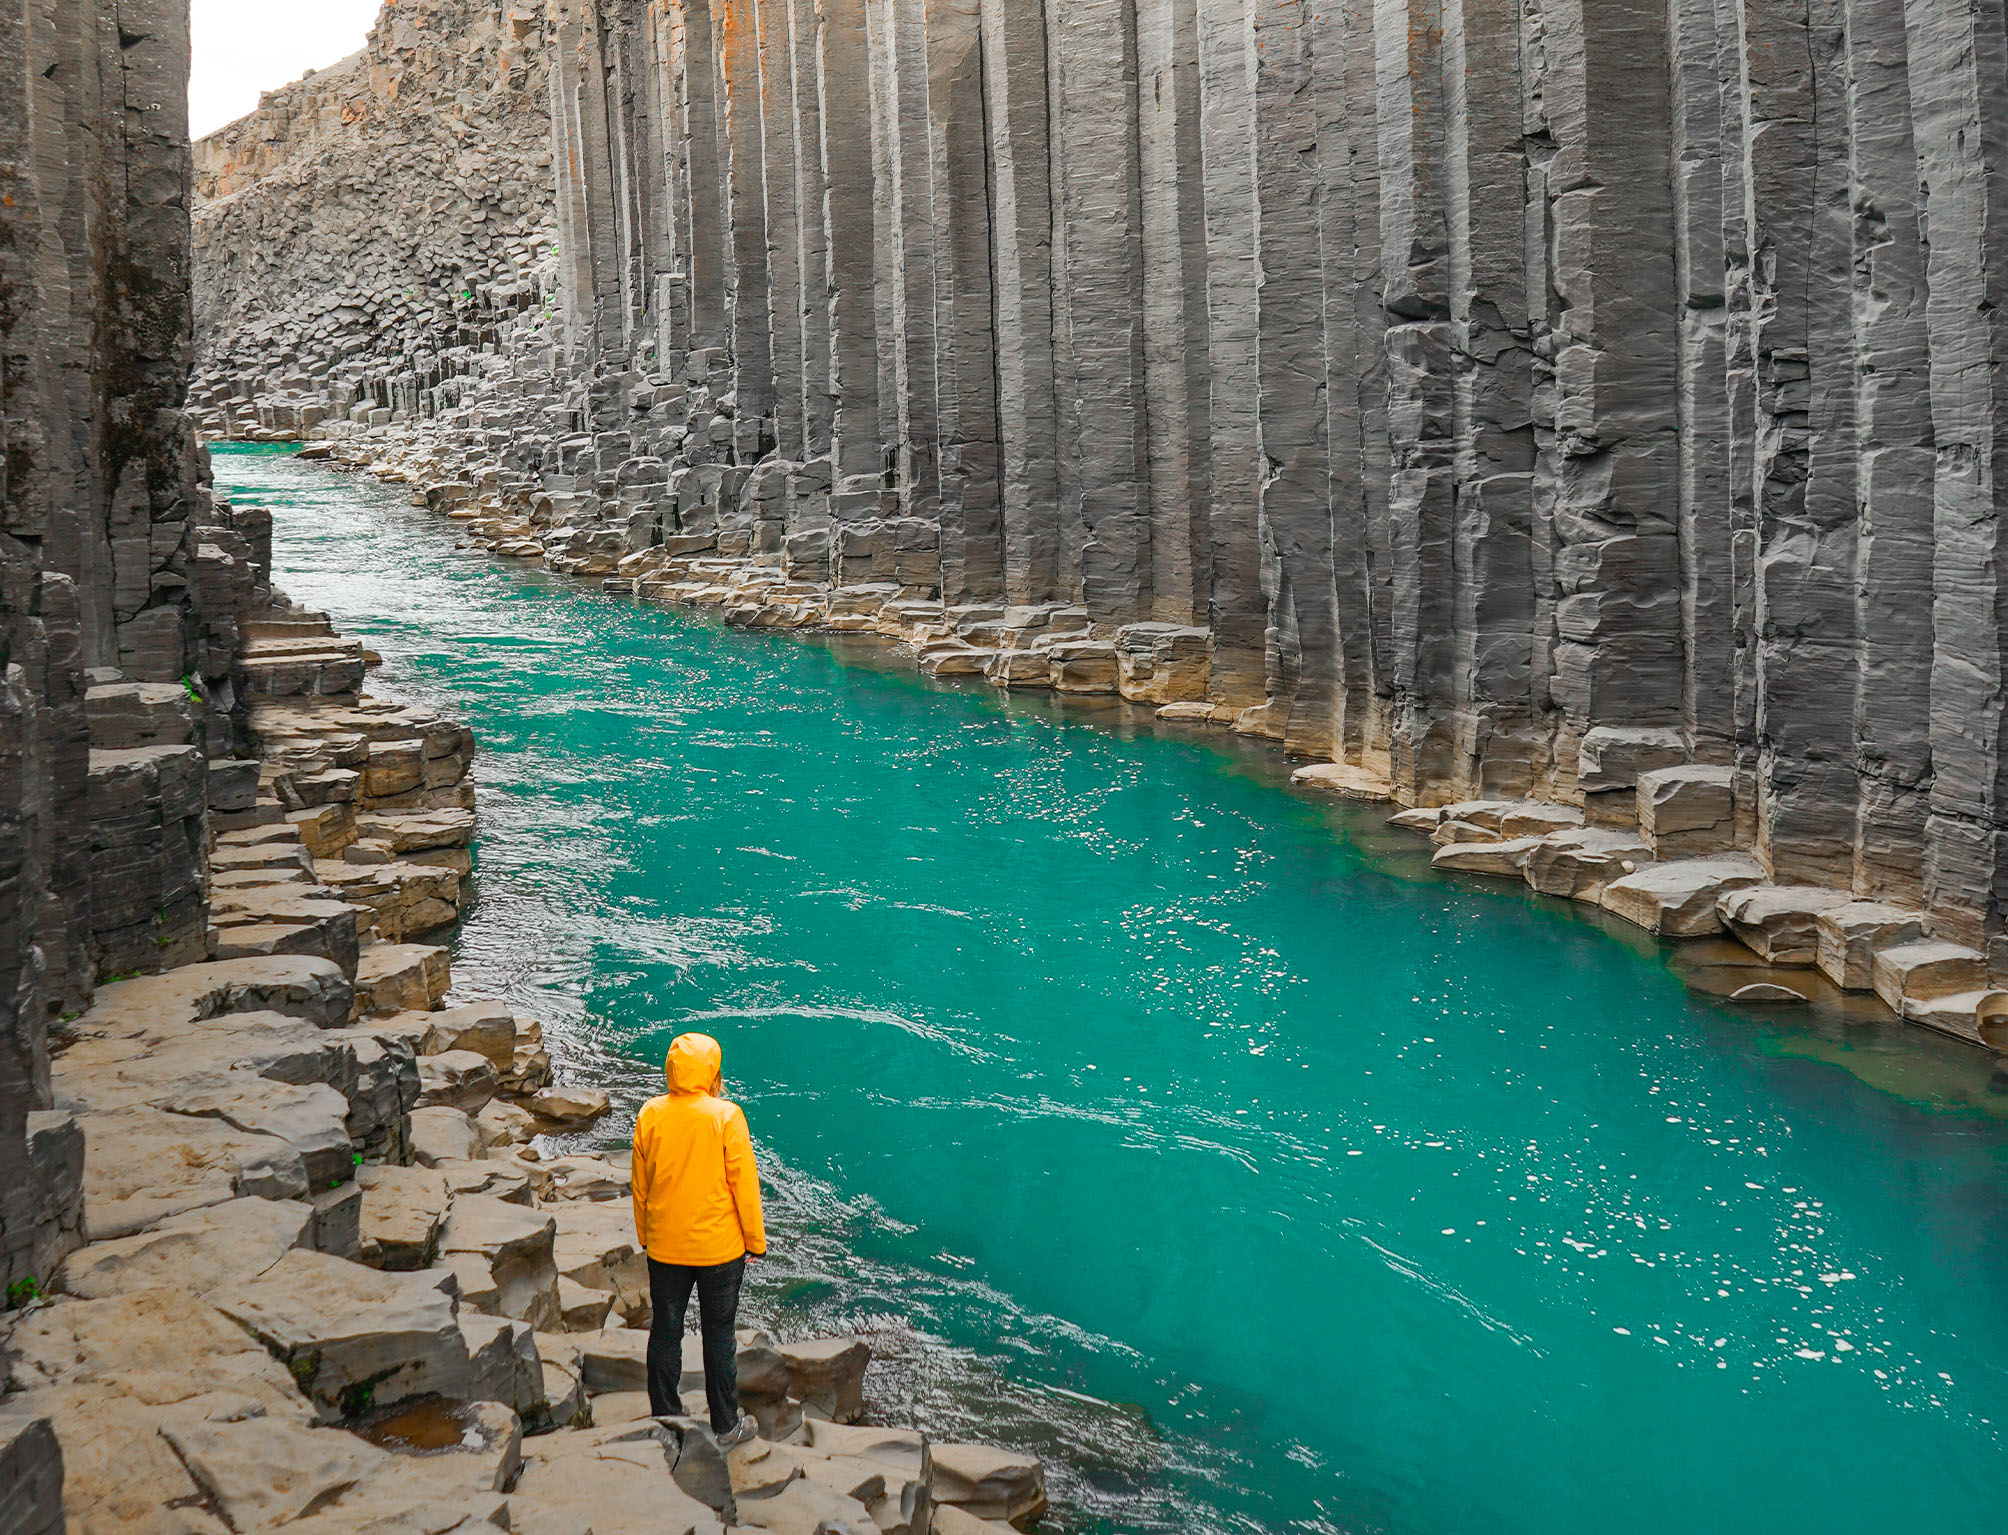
241	48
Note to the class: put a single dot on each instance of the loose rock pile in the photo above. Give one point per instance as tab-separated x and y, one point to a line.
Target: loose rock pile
319	1274
371	217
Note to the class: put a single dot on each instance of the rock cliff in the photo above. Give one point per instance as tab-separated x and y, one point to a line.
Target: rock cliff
382	209
122	581
1499	396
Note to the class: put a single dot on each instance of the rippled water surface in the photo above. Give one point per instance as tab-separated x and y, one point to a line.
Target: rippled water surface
1154	1118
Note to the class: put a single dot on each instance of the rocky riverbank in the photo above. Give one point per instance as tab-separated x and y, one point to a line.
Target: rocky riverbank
1653	841
318	1268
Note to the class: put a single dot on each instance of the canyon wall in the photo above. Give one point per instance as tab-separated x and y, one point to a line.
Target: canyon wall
121	581
375	214
1486	376
1507	396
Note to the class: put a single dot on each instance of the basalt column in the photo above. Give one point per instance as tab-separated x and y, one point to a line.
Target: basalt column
1508	397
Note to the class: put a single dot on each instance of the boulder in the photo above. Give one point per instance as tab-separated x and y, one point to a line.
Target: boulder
903	1459
1851	936
355	1338
513	1245
1343	781
503	1364
403	1210
596	1249
1913	973
989	1483
613	1360
386	1091
1576	865
566	1109
583	1310
1688	812
315	990
588	1178
1679	900
163	1348
129	716
1504	860
457	1079
397	977
1978	1017
312	1119
485	1028
1780	923
503	1125
827	1376
803	1506
443	1135
198	1251
1613	757
1538	819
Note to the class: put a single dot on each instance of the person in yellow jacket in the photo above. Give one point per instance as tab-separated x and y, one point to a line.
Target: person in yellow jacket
697	1216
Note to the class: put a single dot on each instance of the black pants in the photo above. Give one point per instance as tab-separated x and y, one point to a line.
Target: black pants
669	1287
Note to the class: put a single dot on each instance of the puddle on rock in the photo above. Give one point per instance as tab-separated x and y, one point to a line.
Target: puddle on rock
429	1426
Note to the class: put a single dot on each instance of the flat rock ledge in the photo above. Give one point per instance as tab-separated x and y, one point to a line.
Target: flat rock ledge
1680	874
323	1271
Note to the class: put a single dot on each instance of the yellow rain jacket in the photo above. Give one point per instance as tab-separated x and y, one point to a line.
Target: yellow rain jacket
696	1191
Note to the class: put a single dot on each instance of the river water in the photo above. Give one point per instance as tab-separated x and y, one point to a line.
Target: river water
1157	1119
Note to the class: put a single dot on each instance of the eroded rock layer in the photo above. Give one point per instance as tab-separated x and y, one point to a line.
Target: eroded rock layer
1505	397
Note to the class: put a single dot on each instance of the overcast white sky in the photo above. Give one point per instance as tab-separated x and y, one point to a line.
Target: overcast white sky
243	47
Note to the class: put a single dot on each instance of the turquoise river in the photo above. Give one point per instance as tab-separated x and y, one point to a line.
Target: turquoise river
1151	1116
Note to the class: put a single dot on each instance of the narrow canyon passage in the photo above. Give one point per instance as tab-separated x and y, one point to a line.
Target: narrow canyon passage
1287	1185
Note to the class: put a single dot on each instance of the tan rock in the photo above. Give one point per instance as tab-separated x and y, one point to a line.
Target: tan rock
596	1248
1576	865
263	1472
1780	924
315	990
1688	811
197	1251
397	977
1914	973
827	1376
143	1165
355	1336
158	1348
1680	900
1503	860
1343	780
1852	935
443	1135
516	1246
630	1479
456	1079
989	1483
568	1108
403	1211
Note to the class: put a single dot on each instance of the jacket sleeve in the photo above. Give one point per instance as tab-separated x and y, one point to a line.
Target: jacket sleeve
744	1178
638	1175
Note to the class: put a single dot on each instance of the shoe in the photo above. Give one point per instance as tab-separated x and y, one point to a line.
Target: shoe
746	1431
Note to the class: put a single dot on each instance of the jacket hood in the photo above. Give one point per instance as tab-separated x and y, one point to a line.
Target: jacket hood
695	1060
